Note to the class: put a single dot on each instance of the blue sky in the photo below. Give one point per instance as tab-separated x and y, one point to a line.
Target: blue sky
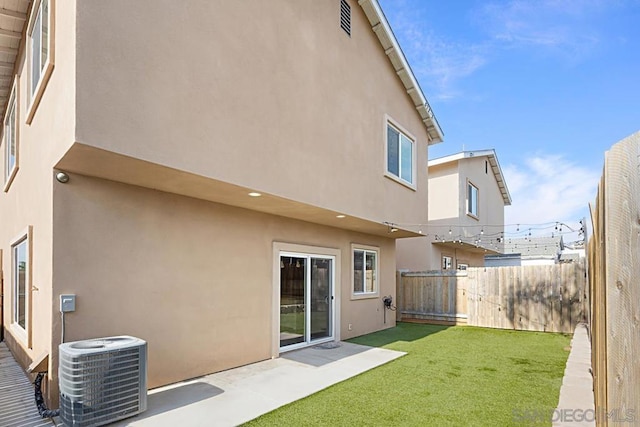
549	84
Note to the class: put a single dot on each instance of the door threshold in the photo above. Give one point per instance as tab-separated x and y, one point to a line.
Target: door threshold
306	344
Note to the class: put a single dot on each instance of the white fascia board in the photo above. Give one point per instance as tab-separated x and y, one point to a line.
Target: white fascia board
493	160
392	49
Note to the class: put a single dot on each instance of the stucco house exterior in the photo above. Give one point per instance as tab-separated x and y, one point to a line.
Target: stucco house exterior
532	250
467	196
225	190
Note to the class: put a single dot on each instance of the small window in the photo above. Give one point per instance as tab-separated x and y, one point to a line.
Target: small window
447	262
463	266
400	155
472	200
365	271
10	140
20	280
345	17
40	51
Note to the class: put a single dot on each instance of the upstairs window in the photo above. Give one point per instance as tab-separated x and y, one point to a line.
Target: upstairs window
40	51
345	17
400	155
10	140
472	200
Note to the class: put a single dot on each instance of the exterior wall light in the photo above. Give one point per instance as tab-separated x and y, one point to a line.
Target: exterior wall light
62	177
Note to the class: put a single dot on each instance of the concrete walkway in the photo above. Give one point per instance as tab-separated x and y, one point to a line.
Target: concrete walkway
238	395
17	402
576	407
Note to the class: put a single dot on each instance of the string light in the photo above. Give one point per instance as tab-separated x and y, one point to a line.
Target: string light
521	238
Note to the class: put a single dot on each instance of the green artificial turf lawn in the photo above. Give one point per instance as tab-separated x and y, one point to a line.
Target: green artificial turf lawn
451	376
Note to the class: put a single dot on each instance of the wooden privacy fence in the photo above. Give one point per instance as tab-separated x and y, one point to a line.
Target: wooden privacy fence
614	283
550	298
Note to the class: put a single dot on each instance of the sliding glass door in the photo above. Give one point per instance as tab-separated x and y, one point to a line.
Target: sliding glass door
306	299
293	297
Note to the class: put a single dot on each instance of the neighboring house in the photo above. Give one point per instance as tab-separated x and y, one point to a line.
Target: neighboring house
536	251
467	196
573	252
533	250
503	260
218	178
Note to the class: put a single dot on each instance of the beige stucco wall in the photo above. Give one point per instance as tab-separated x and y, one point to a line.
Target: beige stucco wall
191	277
28	201
448	211
444	186
491	202
412	254
287	105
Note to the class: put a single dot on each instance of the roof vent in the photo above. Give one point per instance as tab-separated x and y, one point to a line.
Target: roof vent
345	17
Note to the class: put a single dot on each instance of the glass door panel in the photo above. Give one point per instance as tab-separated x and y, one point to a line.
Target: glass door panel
293	295
320	291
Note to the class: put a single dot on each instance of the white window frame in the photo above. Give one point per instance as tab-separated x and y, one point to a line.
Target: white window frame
22	333
447	262
280	247
469	199
10	136
389	123
364	294
36	84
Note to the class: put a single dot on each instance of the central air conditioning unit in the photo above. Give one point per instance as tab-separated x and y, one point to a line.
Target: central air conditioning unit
102	380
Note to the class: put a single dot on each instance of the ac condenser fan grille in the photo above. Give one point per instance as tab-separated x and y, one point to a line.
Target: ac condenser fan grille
102	380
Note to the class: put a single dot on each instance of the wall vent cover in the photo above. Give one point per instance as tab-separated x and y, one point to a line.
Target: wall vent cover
102	380
345	17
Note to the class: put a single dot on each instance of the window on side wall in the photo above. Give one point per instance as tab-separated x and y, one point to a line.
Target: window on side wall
20	287
447	262
472	200
365	271
40	52
10	139
400	156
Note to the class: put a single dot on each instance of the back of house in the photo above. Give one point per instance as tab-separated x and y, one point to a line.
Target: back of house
214	177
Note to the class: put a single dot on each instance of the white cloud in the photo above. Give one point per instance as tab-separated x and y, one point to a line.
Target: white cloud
565	28
438	62
549	188
444	63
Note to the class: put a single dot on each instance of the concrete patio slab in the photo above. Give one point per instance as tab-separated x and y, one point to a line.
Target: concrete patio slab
576	405
232	397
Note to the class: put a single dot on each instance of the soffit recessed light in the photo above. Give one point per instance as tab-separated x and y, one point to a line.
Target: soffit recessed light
254	194
340	216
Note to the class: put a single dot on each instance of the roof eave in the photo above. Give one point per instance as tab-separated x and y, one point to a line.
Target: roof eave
493	160
382	29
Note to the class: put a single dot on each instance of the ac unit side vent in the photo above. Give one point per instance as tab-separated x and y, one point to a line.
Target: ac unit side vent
345	17
102	380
